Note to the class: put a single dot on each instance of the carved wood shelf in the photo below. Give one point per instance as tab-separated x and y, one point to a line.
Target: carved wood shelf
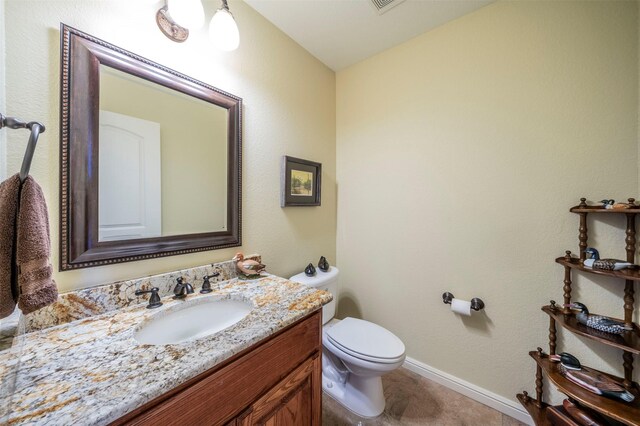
538	414
625	274
629	341
558	416
624	412
542	415
600	209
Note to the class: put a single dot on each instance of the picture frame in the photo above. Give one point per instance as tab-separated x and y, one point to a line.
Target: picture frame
300	183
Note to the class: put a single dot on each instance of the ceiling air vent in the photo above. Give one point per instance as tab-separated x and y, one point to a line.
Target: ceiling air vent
383	6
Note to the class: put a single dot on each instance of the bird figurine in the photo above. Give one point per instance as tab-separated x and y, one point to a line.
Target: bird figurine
591	380
612	205
606	324
310	270
604	264
569	361
323	264
248	269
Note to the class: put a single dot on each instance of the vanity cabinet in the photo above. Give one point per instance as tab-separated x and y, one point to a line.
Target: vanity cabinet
276	381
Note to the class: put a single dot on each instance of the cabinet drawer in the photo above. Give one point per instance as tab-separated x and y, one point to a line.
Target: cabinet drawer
221	393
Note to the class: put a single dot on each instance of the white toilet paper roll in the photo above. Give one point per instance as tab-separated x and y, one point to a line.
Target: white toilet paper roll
461	307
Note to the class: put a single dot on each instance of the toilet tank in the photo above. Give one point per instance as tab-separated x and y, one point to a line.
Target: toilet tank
322	281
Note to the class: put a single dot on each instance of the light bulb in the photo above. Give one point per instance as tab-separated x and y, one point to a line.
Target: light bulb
186	13
223	30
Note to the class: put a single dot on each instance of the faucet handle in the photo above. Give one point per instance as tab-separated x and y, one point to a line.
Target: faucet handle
206	285
154	299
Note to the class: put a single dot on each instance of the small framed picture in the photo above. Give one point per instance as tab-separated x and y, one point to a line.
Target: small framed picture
300	182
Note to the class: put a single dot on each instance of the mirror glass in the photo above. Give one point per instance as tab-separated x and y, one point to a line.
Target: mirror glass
150	158
162	160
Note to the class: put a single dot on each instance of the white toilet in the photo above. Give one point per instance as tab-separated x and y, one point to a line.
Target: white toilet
355	354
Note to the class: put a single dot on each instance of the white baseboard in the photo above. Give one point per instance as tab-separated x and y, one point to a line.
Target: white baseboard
483	396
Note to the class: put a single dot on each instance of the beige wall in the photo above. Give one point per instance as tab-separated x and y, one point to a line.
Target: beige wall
289	108
459	154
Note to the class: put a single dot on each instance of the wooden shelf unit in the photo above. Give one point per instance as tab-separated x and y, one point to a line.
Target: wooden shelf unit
628	342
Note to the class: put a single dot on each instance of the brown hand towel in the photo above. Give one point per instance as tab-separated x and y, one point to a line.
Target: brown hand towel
33	248
9	190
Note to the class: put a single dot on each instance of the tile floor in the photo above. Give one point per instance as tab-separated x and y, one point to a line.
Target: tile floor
414	400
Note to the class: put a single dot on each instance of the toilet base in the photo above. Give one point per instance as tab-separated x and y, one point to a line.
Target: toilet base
361	395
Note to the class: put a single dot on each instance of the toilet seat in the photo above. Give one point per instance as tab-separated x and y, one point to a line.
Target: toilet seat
366	341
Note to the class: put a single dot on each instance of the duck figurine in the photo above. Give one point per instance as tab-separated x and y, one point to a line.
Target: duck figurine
606	324
247	269
604	264
591	380
567	360
612	205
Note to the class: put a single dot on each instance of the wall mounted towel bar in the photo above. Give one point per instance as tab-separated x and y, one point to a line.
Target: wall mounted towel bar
36	128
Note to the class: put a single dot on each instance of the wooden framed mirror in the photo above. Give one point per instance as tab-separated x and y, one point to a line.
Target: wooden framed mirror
150	158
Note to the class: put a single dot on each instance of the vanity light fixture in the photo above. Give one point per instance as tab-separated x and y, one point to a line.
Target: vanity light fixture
187	13
223	30
178	16
169	28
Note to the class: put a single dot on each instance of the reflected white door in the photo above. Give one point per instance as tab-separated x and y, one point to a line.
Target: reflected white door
129	186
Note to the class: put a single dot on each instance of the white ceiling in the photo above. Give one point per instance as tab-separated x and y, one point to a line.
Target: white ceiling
342	32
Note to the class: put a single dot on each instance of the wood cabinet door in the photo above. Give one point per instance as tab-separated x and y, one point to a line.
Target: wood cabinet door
295	401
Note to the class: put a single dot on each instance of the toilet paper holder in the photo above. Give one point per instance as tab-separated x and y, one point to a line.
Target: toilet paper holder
476	303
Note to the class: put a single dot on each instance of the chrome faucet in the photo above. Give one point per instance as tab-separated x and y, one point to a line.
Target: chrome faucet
182	289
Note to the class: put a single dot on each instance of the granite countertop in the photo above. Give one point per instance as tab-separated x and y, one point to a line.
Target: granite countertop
92	371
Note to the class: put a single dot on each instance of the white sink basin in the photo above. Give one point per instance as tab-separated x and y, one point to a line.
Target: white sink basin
191	322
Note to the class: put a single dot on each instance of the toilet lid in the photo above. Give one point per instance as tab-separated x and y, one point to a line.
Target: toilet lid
366	338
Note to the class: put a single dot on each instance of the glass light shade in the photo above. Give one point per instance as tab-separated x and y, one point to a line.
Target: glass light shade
223	31
186	13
